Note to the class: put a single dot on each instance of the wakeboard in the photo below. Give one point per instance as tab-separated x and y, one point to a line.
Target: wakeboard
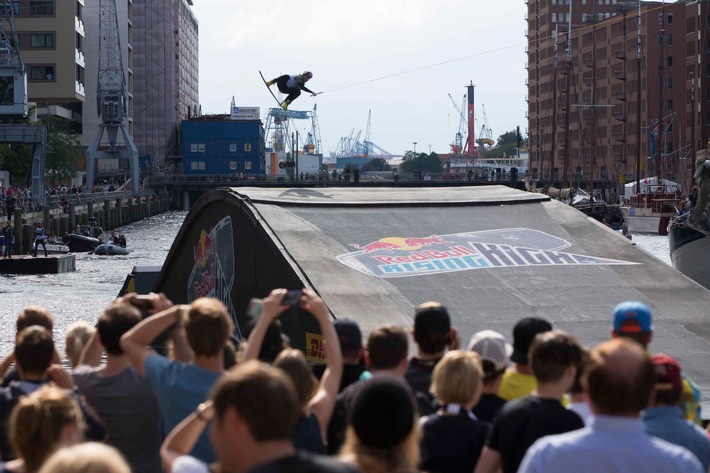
270	91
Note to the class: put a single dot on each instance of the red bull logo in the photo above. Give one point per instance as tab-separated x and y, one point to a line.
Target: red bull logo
397	243
203	250
394	257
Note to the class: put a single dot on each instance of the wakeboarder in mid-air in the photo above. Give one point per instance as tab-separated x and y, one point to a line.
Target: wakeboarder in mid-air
291	86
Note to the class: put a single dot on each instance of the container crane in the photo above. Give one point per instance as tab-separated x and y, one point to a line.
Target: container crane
366	142
111	100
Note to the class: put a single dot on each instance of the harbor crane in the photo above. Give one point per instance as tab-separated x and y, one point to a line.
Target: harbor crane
13	99
486	134
458	146
111	100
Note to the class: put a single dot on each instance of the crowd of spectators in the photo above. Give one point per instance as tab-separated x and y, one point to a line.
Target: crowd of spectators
155	387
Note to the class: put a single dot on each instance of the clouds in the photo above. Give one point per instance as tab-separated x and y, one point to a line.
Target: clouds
398	58
321	23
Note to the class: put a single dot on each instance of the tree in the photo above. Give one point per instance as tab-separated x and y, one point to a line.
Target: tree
376	164
16	159
62	149
506	146
421	162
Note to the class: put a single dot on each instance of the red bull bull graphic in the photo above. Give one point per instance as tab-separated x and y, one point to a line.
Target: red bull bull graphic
393	257
213	267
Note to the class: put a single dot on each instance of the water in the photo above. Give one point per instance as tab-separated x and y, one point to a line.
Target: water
655	244
83	294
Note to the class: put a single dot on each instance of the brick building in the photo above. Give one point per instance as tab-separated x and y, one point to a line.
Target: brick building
615	82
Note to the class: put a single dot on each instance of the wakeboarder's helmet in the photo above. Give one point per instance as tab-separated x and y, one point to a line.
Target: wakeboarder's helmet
308	74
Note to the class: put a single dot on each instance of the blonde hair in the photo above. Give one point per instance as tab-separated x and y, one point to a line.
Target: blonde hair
90	457
293	363
401	458
37	423
457	377
76	337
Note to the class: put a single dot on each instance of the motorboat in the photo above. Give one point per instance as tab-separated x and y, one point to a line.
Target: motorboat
56	249
651	209
79	243
110	249
85	238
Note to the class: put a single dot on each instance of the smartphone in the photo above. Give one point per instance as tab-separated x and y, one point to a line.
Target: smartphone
292	297
254	309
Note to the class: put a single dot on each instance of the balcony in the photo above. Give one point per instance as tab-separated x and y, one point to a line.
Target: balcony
619	95
619	116
79	58
618	74
79	26
79	88
619	54
526	64
620	137
526	32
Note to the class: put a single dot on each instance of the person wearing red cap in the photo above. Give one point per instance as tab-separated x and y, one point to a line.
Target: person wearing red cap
664	418
292	86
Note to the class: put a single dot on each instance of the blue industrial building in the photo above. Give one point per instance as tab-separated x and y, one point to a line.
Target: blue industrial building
218	145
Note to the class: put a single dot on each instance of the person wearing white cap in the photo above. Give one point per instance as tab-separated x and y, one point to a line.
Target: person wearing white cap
494	352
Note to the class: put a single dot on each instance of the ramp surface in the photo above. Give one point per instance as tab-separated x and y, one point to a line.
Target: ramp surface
491	255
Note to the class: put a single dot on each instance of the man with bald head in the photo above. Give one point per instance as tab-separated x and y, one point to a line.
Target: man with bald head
619	380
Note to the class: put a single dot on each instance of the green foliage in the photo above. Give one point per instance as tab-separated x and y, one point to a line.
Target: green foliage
421	162
16	159
507	145
62	150
376	164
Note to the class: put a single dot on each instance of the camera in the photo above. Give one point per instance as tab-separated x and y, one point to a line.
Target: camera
143	303
292	297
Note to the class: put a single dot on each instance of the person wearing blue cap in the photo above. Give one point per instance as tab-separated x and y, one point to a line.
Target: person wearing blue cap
633	320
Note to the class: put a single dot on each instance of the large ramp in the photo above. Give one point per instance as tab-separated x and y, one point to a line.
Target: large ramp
490	254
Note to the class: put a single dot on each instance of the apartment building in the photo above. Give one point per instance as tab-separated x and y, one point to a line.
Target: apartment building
165	75
601	97
52	38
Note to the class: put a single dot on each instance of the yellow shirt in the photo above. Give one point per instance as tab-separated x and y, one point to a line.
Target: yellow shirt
516	385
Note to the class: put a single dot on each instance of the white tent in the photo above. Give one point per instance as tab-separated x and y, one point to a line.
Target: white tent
650	184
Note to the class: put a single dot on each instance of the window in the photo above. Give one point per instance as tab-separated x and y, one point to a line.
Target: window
232	165
669	61
247	164
670	104
197	165
42	73
554	18
670	39
193	147
670	83
247	147
42	7
232	147
670	19
42	40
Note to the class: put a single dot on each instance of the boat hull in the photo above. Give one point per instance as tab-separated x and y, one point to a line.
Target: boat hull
639	221
80	243
690	253
109	249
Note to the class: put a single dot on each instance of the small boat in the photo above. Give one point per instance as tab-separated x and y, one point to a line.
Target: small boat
110	249
79	243
85	238
651	209
56	249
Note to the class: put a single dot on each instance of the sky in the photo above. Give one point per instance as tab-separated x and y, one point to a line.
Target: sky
399	59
